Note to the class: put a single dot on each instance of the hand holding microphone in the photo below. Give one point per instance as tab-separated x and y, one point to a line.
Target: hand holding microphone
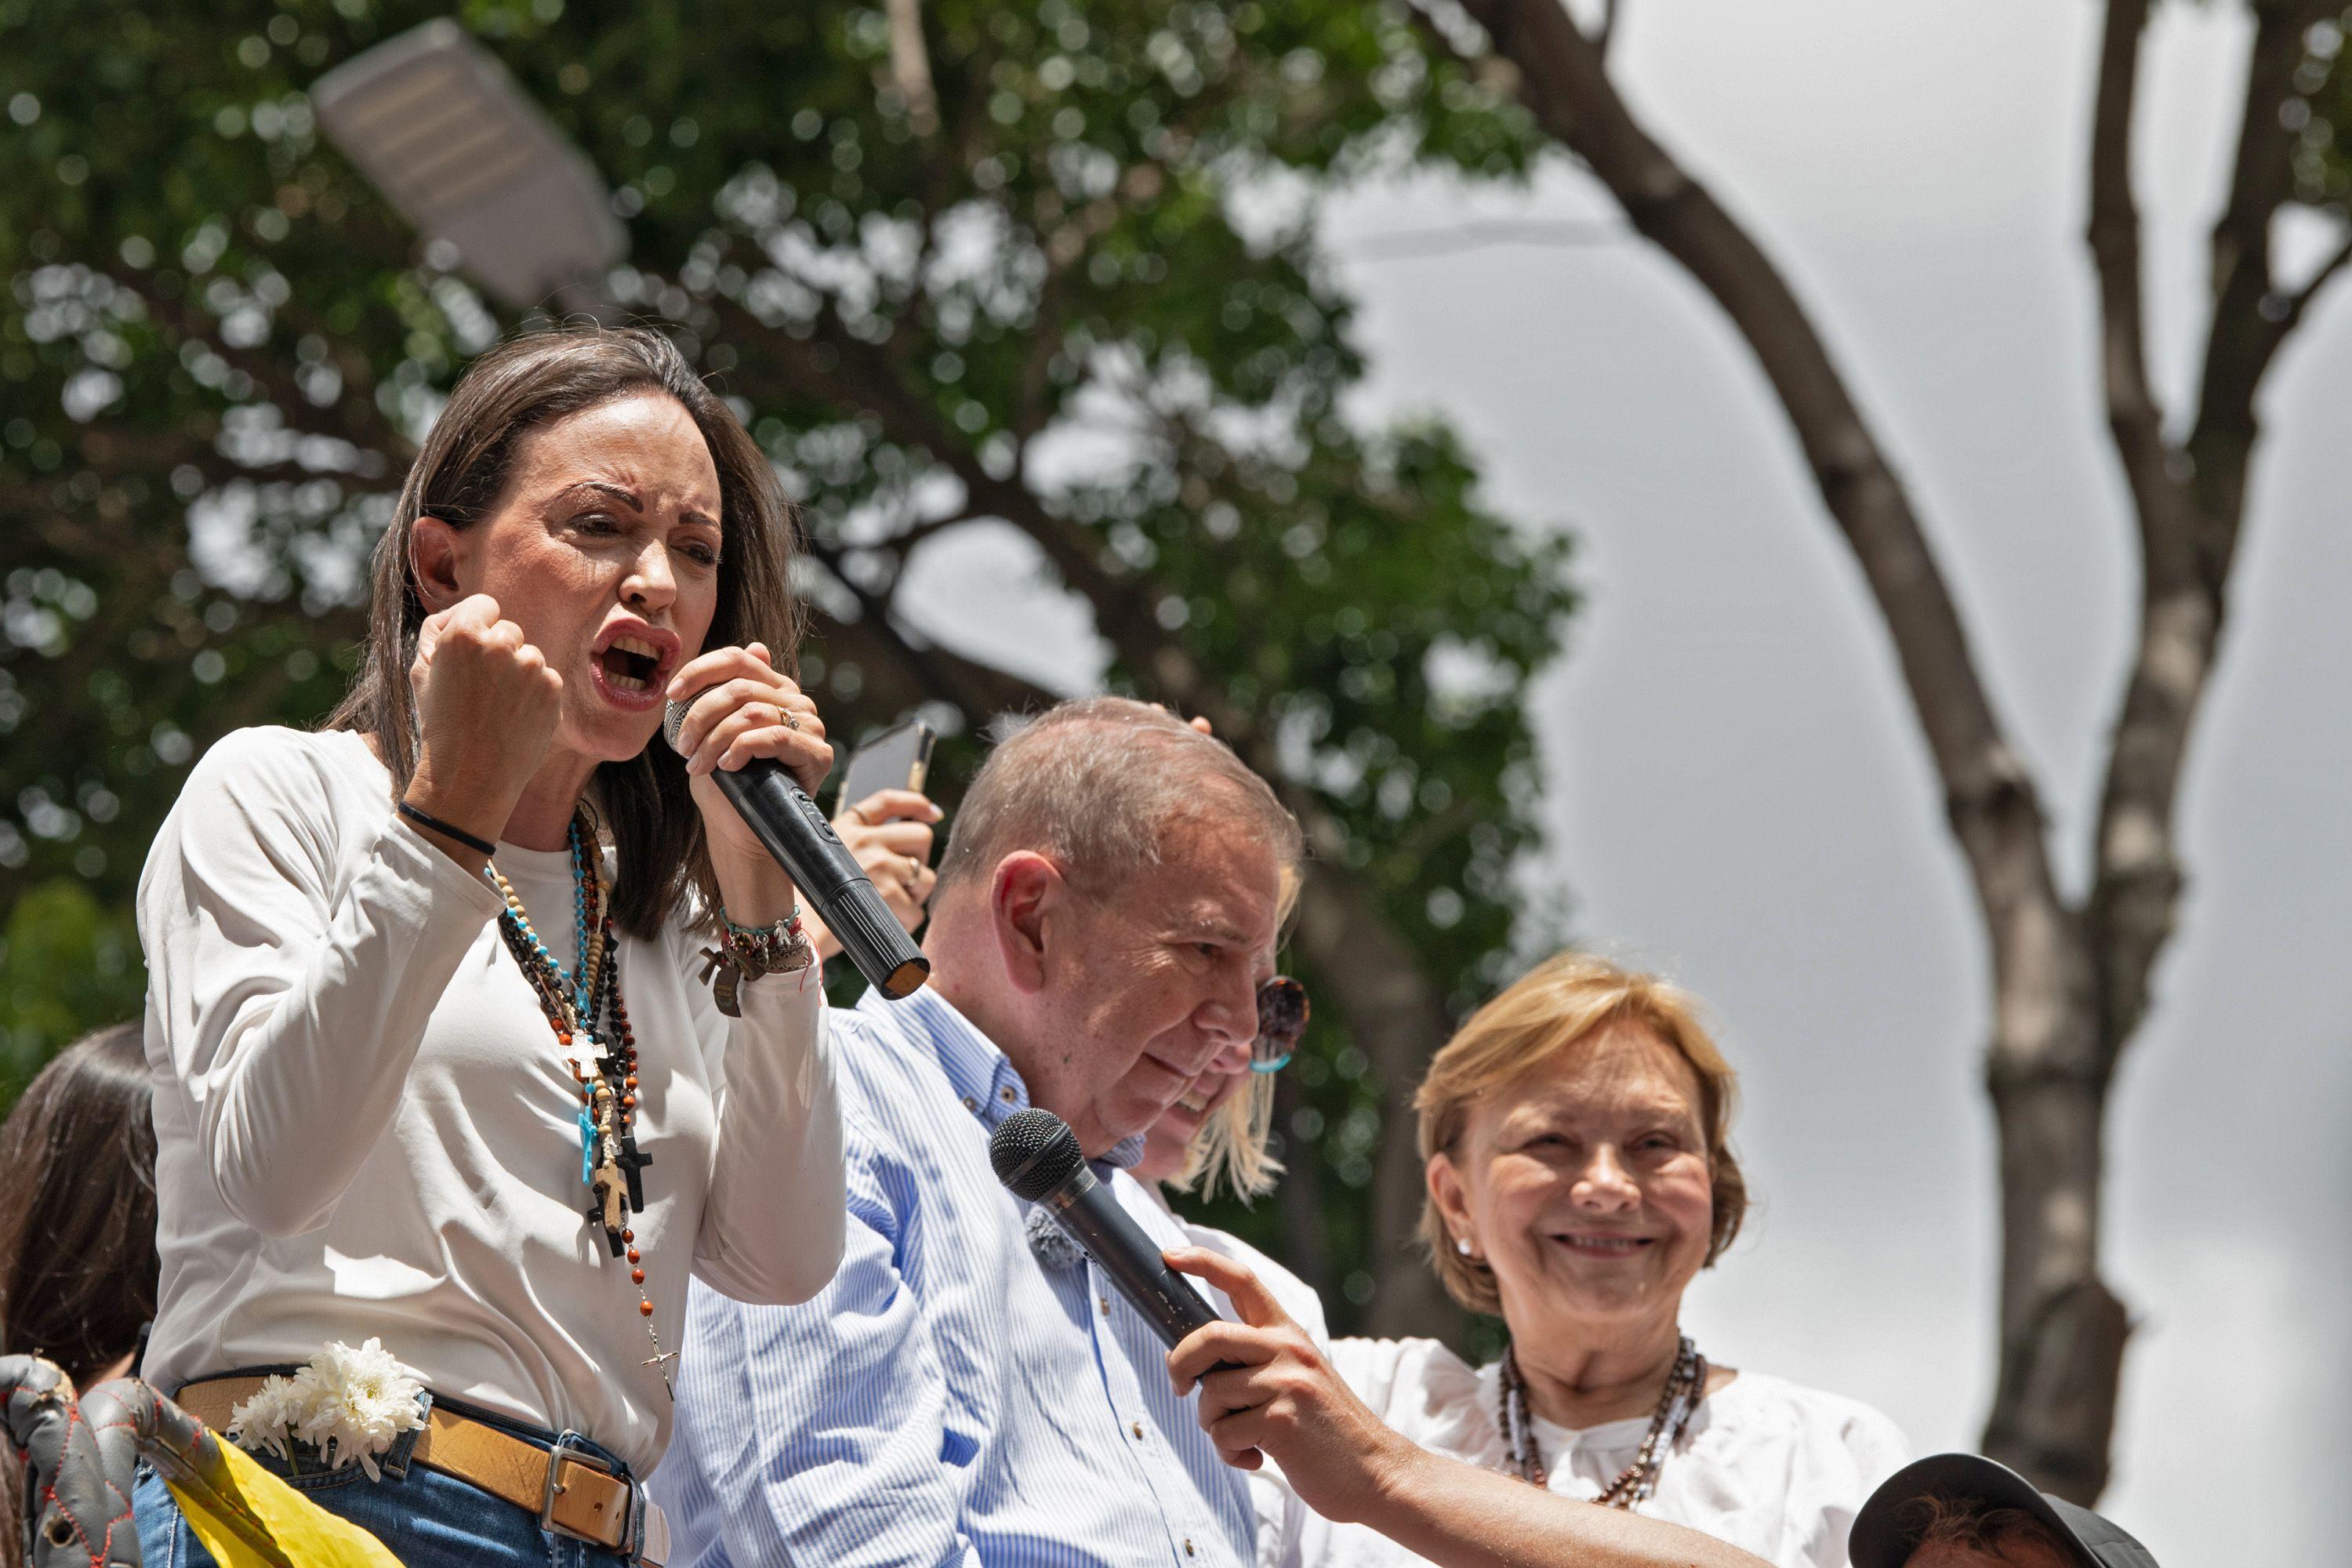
1264	1386
740	725
1268	1392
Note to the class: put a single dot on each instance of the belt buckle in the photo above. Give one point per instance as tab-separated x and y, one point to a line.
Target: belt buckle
568	1447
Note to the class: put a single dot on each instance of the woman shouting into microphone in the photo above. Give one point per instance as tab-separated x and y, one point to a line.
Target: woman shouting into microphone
479	1020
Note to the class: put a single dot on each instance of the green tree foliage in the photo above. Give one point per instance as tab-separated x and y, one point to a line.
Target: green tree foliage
1074	291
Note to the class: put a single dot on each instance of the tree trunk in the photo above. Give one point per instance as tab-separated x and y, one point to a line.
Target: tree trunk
1299	1197
2062	1330
1397	1020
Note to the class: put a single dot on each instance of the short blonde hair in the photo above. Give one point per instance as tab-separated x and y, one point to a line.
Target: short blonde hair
1557	1006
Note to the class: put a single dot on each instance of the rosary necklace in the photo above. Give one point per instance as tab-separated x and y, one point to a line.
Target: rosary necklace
584	1006
1685	1386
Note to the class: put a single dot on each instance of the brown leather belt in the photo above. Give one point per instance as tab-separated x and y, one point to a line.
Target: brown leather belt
570	1492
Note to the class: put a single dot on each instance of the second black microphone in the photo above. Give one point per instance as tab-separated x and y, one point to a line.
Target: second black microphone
1035	1154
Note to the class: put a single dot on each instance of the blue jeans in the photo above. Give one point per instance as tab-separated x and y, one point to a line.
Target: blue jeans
428	1519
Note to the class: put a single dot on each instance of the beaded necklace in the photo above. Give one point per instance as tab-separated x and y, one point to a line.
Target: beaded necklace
1685	1386
590	1022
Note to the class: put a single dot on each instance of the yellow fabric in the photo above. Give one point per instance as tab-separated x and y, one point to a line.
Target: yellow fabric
247	1518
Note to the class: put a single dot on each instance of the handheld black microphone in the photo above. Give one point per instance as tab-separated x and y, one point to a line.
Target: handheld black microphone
822	868
1037	1157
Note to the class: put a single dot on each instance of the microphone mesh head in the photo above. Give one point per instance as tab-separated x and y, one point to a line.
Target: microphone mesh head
1034	1151
673	721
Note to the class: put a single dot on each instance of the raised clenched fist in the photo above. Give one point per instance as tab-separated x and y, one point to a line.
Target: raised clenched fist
486	708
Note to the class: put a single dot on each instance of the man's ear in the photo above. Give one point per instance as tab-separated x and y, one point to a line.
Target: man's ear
437	553
1024	892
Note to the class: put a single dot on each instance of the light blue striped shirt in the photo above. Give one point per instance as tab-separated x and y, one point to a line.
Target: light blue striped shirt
948	1398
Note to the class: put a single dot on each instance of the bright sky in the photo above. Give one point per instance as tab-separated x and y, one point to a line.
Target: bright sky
1738	792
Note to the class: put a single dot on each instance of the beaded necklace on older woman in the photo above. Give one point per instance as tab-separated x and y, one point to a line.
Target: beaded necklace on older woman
1685	1386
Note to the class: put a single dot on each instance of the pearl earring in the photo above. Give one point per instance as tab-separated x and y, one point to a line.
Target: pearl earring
1462	1245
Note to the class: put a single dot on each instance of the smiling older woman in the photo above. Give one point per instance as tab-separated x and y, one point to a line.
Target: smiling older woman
1577	1135
434	1068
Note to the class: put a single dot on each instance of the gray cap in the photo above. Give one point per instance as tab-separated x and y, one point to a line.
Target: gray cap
1882	1540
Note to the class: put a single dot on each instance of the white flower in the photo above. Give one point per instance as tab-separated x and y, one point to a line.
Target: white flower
348	1403
358	1402
264	1423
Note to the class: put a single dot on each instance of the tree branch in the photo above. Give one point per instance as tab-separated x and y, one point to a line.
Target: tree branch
910	66
355	419
2300	302
2134	418
2188	524
903	541
1994	813
2249	322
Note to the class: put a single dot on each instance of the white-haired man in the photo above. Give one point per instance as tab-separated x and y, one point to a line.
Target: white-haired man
1106	906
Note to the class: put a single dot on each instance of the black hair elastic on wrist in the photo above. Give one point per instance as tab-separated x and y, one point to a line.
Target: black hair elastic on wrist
443	828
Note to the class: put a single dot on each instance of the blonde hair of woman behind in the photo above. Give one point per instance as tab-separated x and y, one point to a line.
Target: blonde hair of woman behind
1230	1147
1550	1012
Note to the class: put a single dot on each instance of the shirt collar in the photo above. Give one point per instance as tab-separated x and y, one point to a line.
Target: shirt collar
981	1075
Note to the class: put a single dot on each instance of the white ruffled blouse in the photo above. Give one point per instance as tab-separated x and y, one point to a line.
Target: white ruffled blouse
1770	1466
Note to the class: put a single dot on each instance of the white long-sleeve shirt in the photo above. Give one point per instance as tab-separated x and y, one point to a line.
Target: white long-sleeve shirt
365	1126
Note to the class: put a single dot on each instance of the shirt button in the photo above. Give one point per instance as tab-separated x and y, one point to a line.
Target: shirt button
1104	1301
1188	1546
969	1104
1135	1427
1005	1094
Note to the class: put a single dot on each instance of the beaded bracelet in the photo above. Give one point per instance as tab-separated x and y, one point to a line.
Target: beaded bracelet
747	952
777	949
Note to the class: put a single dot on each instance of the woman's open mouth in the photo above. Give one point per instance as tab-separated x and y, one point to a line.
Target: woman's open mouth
631	665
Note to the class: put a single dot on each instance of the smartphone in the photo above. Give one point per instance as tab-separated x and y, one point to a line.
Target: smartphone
898	758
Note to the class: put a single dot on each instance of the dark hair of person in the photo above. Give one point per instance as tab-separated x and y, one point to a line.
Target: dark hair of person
77	1262
77	1208
1975	1524
461	475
